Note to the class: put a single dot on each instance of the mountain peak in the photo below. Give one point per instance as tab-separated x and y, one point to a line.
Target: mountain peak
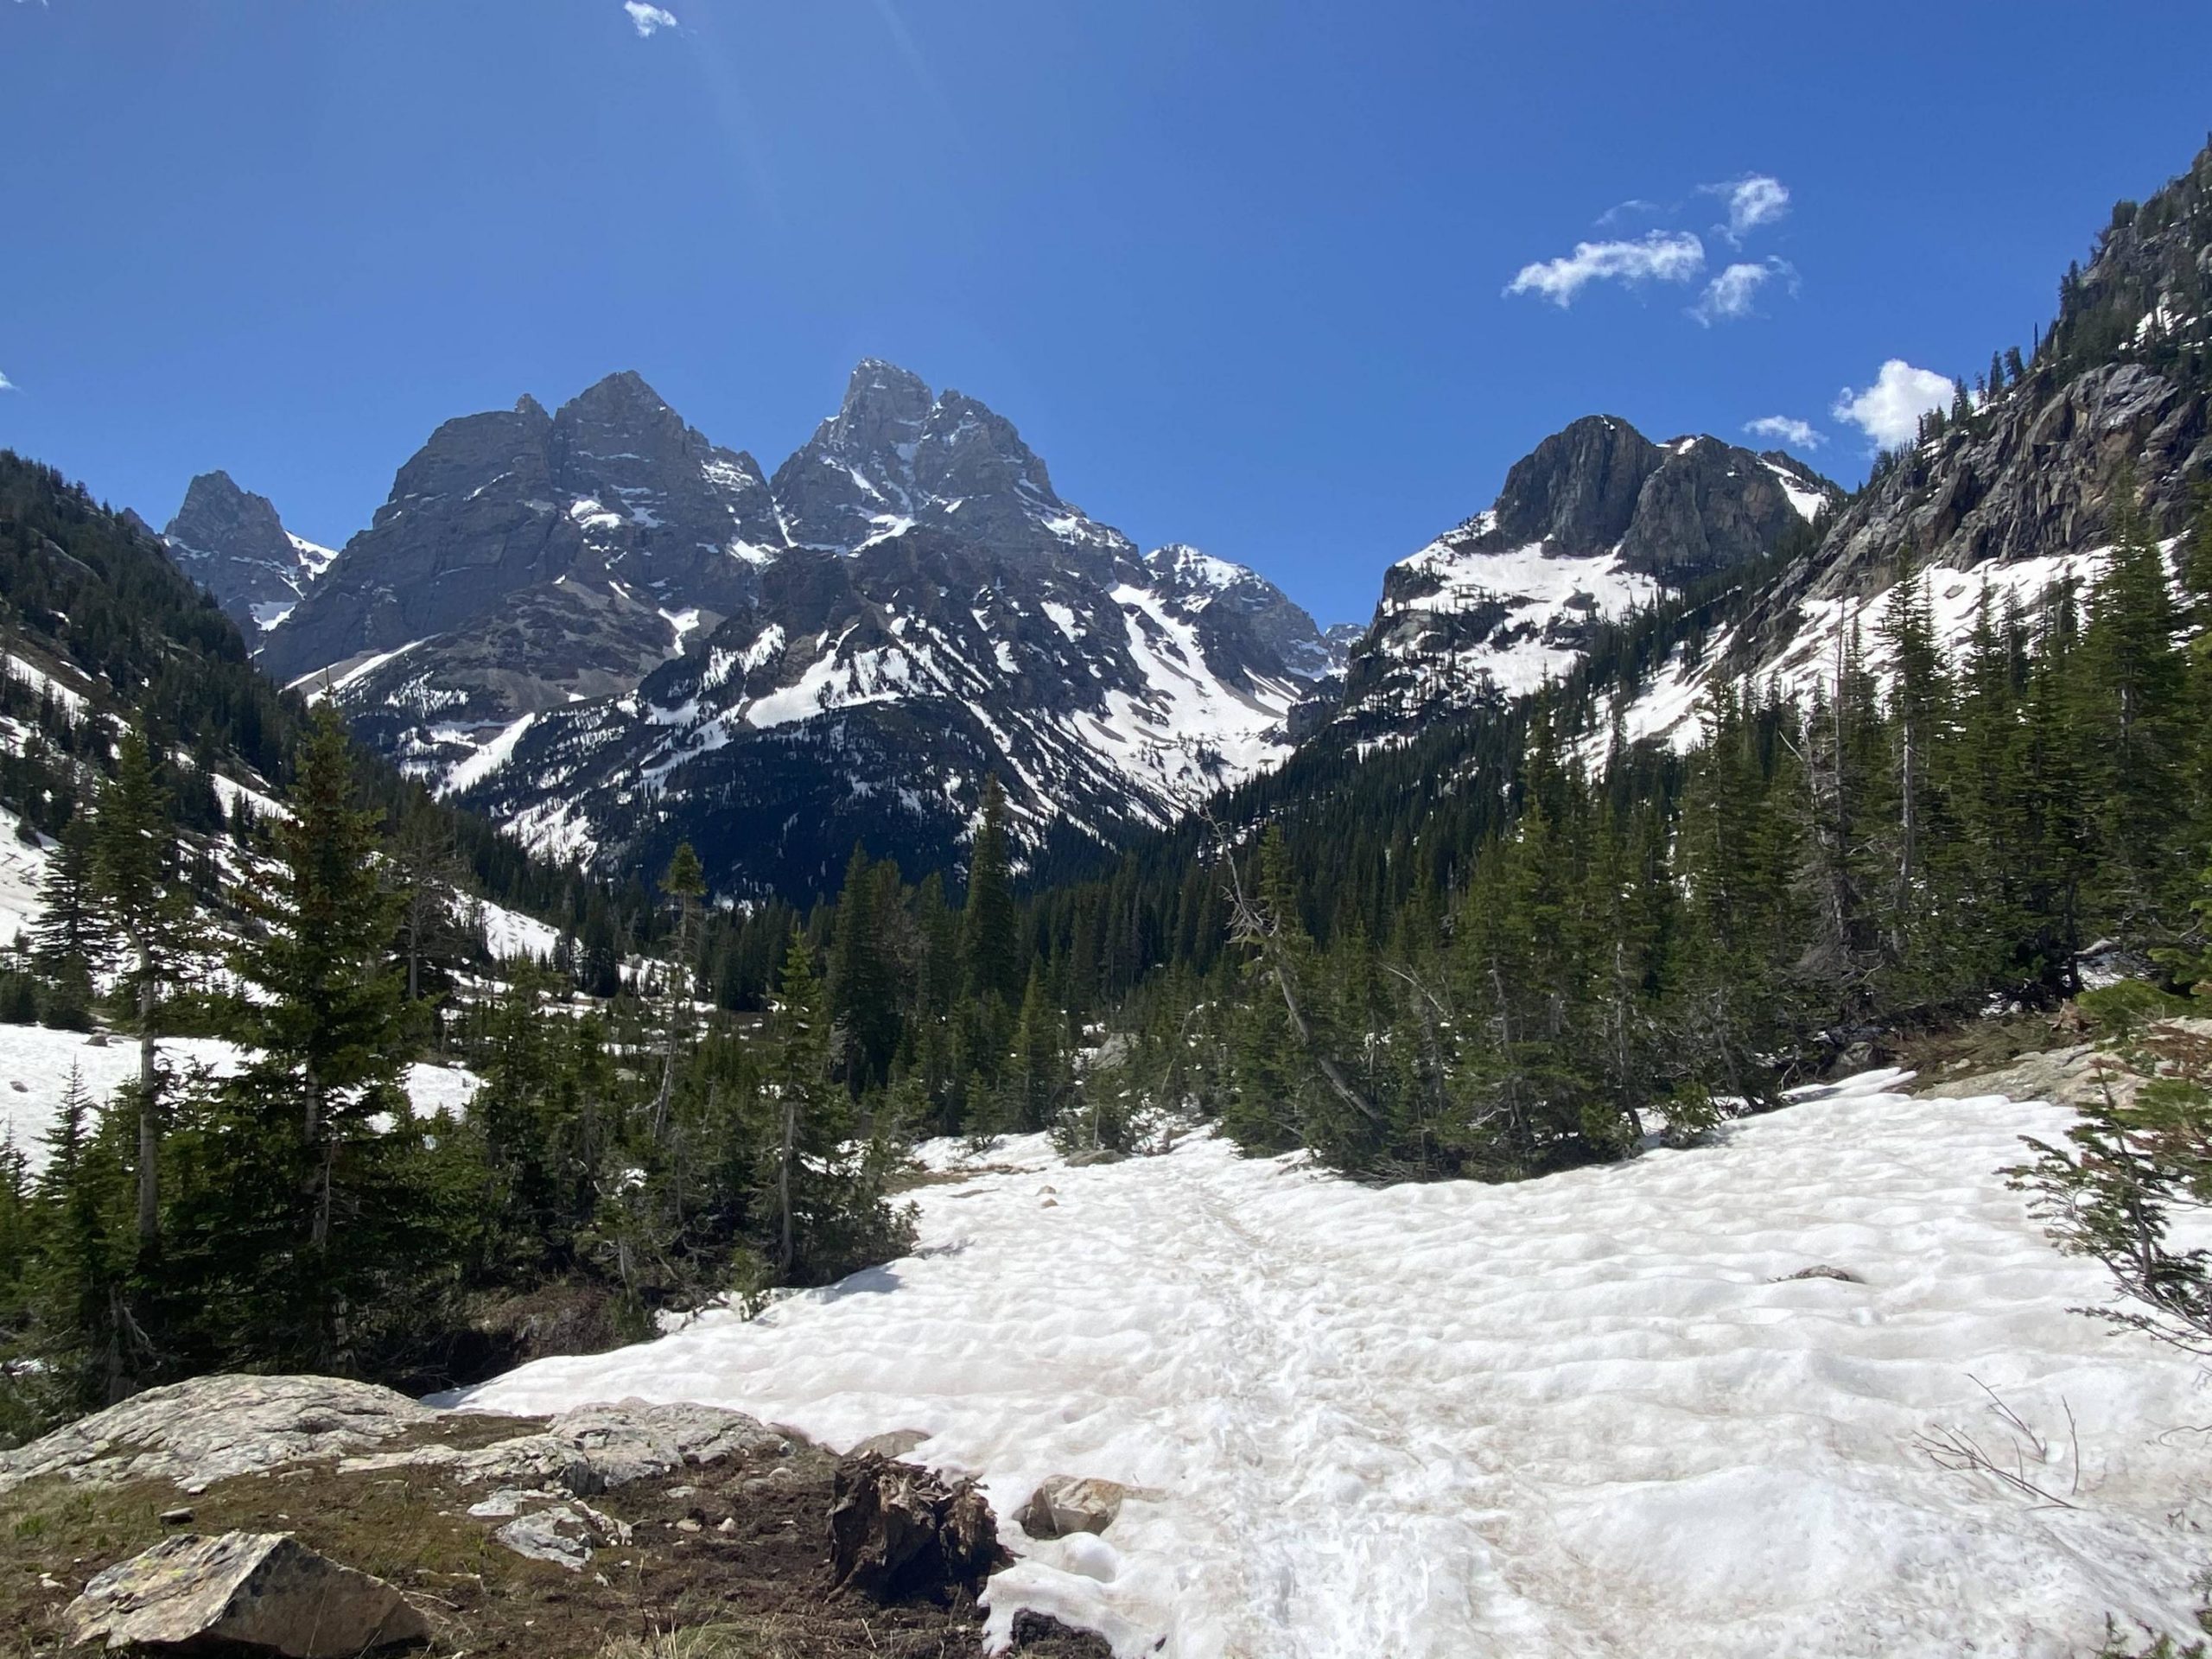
620	394
232	542
884	406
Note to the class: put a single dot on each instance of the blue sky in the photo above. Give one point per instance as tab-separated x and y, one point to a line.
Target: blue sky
1238	269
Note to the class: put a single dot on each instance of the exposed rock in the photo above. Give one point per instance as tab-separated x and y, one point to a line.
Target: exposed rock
897	1532
2064	1077
597	1448
892	1443
197	1432
1822	1271
1068	1503
564	1534
232	542
1593	521
265	1592
549	607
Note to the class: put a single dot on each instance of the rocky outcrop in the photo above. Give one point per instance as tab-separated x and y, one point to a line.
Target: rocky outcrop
233	544
2023	491
213	1427
598	1448
898	1532
1596	521
255	1592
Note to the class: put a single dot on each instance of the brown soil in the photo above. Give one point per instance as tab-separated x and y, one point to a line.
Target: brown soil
758	1589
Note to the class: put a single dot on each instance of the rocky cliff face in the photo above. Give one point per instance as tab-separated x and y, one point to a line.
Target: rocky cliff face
613	635
1596	521
233	544
547	556
2022	492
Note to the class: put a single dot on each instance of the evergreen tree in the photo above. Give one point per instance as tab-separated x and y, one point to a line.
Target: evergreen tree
2134	688
71	938
310	1229
146	902
864	975
685	885
989	925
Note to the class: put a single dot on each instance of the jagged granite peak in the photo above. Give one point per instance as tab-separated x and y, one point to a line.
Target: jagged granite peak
1594	522
896	454
554	555
233	544
612	633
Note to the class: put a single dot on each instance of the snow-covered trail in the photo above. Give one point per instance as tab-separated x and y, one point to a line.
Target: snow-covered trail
1586	1416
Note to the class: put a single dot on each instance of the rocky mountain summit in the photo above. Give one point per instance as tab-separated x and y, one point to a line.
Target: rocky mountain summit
1595	522
2018	486
614	634
233	544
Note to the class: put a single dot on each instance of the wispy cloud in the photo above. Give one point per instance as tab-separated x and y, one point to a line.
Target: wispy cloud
1736	291
649	19
1634	207
1787	429
1753	200
1889	411
6	384
1660	256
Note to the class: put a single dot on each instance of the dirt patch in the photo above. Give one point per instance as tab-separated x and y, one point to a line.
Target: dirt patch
733	1559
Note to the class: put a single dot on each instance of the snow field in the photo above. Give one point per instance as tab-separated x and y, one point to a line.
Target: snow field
1587	1416
35	1066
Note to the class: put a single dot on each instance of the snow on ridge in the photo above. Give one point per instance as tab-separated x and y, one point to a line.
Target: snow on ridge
1807	501
1539	594
1669	703
1594	1414
1185	563
490	756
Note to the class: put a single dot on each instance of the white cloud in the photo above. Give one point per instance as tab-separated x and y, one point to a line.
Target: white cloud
648	18
1889	411
1735	291
1787	429
6	384
1634	207
1660	256
1753	200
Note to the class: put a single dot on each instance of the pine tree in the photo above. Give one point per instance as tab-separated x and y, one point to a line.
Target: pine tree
685	885
72	938
2134	688
424	870
989	925
310	1223
1040	1075
145	902
864	975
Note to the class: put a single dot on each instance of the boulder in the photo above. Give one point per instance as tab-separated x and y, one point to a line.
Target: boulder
596	1448
213	1427
892	1443
1066	1503
898	1532
262	1590
564	1534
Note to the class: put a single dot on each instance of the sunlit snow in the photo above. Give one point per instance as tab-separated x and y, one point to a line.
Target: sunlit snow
1590	1414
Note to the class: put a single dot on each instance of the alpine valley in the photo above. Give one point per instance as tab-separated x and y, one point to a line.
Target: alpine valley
911	1076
